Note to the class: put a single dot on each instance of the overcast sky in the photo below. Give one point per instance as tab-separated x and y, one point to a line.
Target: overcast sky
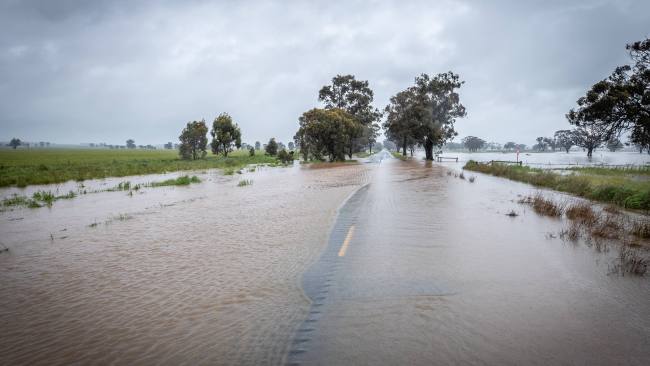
76	71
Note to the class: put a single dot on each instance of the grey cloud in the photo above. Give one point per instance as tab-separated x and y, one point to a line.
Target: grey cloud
74	71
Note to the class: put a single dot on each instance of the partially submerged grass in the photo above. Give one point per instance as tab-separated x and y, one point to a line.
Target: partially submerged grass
543	205
641	229
180	181
631	261
582	213
46	166
618	187
244	183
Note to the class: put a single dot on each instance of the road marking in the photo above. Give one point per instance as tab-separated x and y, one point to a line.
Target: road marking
346	242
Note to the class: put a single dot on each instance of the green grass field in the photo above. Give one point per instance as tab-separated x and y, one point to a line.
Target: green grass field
44	166
610	185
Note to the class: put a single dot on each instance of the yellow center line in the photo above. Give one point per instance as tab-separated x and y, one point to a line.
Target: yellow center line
346	242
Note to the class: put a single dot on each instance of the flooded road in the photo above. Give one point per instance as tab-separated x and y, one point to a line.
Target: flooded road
423	268
204	274
418	267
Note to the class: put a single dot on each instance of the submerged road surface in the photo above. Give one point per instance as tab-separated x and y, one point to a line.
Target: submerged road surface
423	268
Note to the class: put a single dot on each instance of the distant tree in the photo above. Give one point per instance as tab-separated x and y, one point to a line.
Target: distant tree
550	143
378	146
281	146
425	112
473	143
541	144
41	144
494	146
169	146
47	144
521	147
614	144
326	132
194	140
271	147
565	139
14	143
354	97
130	144
621	102
251	151
258	145
389	145
589	137
225	135
291	145
285	157
510	145
401	125
370	134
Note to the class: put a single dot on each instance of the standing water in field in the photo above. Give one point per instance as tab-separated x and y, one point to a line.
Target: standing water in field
417	267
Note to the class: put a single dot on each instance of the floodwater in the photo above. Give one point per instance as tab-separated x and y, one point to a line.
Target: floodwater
205	274
558	158
423	268
388	262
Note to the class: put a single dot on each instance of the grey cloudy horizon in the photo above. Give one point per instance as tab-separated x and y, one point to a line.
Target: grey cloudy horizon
76	71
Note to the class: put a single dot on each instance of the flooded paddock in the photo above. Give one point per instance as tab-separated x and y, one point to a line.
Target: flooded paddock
418	267
203	274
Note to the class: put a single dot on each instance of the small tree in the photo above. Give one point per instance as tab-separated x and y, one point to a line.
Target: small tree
169	146
589	137
130	144
473	143
565	139
194	140
291	145
225	135
251	151
510	145
614	144
15	142
285	157
272	147
258	145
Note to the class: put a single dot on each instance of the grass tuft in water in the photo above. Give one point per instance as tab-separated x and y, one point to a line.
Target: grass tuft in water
180	181
244	183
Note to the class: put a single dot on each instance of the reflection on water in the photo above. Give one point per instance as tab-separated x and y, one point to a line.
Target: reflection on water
437	274
205	274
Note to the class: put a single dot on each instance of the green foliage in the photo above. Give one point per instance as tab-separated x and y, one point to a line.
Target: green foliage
14	143
193	140
244	183
272	147
285	157
251	151
473	143
424	114
614	187
225	135
327	133
180	181
25	167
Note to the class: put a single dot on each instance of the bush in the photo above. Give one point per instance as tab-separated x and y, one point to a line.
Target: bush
285	157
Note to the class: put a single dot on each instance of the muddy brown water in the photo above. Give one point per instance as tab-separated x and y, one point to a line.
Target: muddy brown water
435	273
205	274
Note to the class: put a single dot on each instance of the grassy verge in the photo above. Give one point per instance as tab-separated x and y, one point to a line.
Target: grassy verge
46	166
615	186
398	155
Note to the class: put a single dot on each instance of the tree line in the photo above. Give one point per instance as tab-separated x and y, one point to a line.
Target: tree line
421	115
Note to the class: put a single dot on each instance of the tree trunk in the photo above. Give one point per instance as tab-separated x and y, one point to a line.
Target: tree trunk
567	150
404	147
590	150
428	149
